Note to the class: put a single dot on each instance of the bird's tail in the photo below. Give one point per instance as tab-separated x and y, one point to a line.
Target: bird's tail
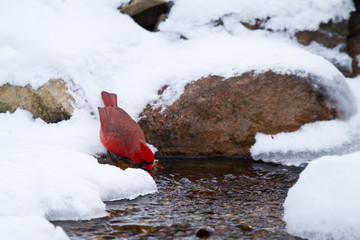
109	99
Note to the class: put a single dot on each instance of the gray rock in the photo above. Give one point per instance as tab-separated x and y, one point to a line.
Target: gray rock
51	102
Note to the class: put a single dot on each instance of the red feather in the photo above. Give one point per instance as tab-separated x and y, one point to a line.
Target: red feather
121	135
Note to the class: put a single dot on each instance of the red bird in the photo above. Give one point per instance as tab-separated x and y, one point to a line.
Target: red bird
121	135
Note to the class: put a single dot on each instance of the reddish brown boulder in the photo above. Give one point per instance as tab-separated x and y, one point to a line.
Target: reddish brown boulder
330	35
221	116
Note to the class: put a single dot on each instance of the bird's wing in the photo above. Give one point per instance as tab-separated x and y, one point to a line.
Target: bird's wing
115	121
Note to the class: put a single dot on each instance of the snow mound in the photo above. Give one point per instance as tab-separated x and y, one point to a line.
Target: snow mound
312	140
324	203
48	172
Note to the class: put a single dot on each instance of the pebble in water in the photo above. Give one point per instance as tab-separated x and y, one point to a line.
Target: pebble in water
203	233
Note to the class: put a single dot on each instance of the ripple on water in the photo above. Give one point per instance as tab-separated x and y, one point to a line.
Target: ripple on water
216	197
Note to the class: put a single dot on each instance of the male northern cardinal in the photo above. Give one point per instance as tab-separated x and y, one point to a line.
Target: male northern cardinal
121	135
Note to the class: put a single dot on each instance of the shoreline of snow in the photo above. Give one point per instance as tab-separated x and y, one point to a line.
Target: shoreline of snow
324	203
312	140
49	173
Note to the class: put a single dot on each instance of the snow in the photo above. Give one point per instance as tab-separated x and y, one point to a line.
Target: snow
48	171
324	203
93	47
189	16
335	55
312	140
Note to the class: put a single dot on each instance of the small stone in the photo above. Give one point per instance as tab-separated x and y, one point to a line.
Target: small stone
245	227
147	13
203	233
184	181
229	177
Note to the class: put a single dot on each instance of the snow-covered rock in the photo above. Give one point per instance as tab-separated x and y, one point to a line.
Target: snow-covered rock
222	116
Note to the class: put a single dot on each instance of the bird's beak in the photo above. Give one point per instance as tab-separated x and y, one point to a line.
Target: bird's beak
146	165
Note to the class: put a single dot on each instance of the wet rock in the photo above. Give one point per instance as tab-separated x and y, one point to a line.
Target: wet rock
221	116
184	181
354	39
330	35
245	227
257	24
147	13
203	233
51	102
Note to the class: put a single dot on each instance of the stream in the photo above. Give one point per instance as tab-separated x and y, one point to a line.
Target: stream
214	198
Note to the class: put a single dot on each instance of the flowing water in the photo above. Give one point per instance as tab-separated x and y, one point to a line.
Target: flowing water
214	198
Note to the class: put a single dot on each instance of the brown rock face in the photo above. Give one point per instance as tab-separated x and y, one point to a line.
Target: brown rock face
50	102
222	116
329	35
354	39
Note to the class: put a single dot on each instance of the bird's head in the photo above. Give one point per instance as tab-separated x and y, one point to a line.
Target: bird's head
147	157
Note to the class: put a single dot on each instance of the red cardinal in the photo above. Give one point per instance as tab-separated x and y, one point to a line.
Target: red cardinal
121	135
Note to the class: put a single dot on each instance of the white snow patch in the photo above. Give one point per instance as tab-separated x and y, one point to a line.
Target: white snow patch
190	17
48	172
324	203
336	56
29	226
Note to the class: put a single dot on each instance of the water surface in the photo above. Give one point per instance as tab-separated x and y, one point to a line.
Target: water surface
215	198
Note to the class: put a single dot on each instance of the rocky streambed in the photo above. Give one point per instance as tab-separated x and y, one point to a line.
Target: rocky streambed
215	198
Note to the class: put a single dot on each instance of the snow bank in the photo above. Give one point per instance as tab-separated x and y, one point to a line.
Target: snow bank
324	203
312	140
48	172
30	226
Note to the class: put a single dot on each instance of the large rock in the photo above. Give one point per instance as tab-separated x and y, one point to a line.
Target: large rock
50	102
222	116
354	39
147	13
329	35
